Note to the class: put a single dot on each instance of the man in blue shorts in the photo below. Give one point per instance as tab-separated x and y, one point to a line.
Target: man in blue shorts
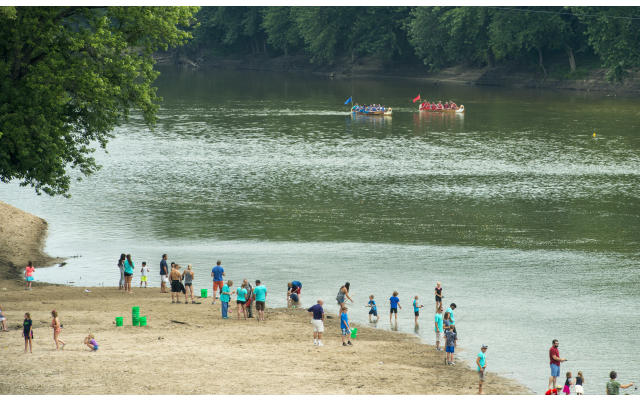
554	363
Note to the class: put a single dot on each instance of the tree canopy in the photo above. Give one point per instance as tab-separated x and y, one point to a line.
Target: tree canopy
68	76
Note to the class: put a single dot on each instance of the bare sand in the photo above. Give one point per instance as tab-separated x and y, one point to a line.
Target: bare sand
190	349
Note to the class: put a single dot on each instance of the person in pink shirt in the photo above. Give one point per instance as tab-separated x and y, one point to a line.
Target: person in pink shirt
28	274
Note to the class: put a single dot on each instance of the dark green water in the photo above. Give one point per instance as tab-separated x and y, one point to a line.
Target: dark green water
532	225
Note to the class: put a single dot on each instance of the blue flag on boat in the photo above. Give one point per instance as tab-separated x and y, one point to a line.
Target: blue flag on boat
348	100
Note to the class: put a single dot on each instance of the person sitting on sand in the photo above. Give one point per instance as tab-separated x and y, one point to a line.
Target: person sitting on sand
27	332
176	285
188	275
57	328
3	321
28	274
91	343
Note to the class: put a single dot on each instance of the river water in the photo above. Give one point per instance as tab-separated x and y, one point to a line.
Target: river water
531	223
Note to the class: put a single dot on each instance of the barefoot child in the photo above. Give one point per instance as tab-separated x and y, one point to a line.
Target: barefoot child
374	309
451	345
57	327
28	274
91	343
394	301
416	309
344	326
567	384
144	273
27	332
579	383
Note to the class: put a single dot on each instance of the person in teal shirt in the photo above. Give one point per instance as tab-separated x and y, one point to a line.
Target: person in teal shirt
416	310
225	297
128	273
451	318
438	321
481	362
241	300
260	297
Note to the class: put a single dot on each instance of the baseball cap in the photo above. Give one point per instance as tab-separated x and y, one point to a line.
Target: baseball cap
484	346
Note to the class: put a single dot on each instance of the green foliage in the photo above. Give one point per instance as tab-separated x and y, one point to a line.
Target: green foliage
281	29
68	76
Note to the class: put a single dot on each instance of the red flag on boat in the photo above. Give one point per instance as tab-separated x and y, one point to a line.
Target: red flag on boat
417	98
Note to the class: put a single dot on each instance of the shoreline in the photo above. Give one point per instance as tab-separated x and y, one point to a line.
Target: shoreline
380	362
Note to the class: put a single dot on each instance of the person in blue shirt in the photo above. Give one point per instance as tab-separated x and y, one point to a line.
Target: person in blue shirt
344	326
217	273
225	298
394	301
416	309
374	309
260	297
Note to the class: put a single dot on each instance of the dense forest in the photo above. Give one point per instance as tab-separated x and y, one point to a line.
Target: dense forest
578	38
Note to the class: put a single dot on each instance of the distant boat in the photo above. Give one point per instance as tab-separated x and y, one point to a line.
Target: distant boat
459	110
385	112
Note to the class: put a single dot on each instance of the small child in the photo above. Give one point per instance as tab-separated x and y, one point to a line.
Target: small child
144	272
416	309
567	384
450	345
394	301
579	382
91	343
28	274
225	298
344	325
439	296
374	309
27	332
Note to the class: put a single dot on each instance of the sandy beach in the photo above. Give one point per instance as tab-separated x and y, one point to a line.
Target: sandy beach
204	353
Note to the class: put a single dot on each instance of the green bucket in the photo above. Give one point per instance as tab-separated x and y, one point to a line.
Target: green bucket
119	321
135	321
354	333
135	311
143	321
203	293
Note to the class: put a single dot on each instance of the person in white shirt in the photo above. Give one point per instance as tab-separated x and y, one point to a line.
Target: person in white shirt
144	273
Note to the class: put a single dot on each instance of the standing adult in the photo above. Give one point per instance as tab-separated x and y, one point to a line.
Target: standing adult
176	285
438	322
343	293
121	268
28	274
217	273
260	296
164	274
241	300
249	298
481	362
554	363
128	273
613	386
318	322
187	275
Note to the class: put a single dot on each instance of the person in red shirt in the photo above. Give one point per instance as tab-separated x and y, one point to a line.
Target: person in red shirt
554	363
440	107
454	105
433	106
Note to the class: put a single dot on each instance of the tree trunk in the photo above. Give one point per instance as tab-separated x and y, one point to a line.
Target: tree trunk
540	63
572	59
490	58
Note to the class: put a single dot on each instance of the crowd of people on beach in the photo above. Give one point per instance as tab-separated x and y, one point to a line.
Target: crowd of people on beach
181	283
449	105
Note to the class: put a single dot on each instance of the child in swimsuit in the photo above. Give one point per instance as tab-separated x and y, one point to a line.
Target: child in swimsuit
56	325
438	292
91	343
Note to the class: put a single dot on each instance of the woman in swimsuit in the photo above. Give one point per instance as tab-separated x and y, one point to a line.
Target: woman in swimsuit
342	293
187	275
57	327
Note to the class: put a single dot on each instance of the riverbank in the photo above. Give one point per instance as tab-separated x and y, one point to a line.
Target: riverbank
22	239
509	77
195	341
231	356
